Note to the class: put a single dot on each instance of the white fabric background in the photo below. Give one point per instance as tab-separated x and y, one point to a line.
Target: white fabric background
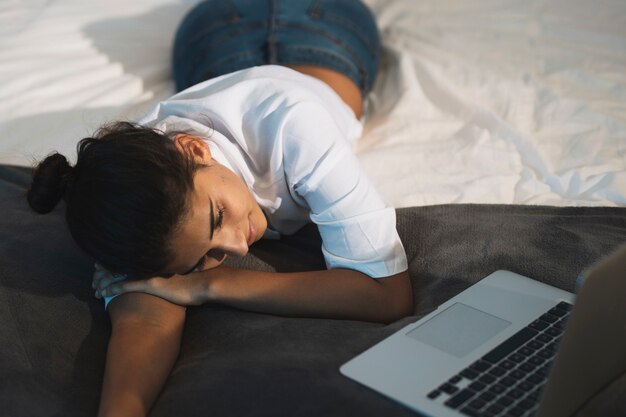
480	101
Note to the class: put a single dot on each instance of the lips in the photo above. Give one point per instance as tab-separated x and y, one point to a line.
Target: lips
251	232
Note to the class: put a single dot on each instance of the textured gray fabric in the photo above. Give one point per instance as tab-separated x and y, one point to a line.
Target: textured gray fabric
235	363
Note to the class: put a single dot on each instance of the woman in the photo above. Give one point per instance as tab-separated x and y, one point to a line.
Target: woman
256	145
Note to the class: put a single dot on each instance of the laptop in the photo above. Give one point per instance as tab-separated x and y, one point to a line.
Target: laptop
507	346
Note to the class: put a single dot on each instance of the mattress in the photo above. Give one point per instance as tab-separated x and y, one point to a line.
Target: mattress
483	101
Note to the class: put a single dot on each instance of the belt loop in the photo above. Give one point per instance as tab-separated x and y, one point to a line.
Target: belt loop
234	13
314	10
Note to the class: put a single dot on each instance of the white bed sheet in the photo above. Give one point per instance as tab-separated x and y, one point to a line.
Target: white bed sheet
478	101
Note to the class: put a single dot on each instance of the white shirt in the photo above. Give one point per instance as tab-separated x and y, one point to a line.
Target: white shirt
289	137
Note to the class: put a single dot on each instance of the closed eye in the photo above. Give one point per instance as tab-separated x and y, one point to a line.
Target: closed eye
220	217
217	224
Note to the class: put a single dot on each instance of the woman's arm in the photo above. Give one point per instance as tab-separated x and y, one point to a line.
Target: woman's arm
333	293
144	344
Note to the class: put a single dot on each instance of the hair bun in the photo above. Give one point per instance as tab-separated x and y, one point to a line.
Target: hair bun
50	182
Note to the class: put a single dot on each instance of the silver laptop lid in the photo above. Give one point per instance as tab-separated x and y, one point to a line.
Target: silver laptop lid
592	351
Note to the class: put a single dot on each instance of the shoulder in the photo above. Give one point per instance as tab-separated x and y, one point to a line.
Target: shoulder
254	87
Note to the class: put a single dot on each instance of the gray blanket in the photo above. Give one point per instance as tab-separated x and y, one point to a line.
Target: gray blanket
54	333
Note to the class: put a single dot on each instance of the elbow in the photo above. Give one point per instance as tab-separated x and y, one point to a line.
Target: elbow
399	308
406	308
398	297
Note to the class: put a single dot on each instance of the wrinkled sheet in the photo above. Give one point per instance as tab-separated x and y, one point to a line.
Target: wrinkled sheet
480	101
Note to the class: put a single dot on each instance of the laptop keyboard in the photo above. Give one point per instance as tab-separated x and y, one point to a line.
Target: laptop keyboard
509	379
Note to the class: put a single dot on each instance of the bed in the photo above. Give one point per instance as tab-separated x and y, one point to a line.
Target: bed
496	128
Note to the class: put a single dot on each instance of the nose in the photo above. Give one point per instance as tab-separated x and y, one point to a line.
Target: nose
234	244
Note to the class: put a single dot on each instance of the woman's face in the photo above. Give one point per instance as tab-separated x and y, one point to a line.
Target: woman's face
223	217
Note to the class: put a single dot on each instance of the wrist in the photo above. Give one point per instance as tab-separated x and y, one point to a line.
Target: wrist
207	284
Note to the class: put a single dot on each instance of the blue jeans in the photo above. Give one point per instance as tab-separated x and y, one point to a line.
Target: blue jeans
222	36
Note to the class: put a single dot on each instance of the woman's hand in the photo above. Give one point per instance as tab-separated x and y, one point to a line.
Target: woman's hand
185	290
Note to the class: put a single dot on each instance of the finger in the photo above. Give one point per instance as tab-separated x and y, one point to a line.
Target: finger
120	288
118	277
109	279
98	275
109	291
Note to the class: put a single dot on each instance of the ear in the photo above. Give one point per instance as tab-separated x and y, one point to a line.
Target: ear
194	146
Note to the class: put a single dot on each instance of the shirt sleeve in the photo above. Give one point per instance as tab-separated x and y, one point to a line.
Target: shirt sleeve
107	300
358	229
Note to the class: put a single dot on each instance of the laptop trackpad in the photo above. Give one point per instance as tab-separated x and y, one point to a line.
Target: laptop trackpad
458	329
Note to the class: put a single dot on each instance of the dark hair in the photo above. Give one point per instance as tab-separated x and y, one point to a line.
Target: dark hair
125	197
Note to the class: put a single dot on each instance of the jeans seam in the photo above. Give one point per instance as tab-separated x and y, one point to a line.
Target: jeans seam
338	57
206	49
228	59
355	56
345	64
250	27
359	34
315	12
